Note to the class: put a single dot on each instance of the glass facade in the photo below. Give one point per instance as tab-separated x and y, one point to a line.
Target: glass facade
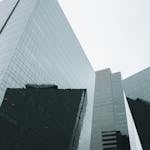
138	85
38	46
119	104
109	107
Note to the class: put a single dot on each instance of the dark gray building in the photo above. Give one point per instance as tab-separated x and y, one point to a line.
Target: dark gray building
140	111
43	118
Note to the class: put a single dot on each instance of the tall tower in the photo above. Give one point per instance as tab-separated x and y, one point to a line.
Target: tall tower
109	114
38	46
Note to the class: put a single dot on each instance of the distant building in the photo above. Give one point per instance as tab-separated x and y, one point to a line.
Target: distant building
109	114
43	118
138	85
137	91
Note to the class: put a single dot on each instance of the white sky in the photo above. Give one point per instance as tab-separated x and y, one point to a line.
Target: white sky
113	33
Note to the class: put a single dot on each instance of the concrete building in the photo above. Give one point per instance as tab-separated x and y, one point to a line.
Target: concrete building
37	46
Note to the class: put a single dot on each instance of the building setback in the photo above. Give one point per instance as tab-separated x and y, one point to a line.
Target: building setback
42	118
38	46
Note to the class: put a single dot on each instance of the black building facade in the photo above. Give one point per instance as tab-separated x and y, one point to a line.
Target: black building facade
140	111
41	118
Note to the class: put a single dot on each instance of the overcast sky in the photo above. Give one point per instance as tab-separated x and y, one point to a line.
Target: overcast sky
113	33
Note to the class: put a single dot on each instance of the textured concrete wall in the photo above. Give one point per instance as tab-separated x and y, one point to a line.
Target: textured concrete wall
43	49
138	85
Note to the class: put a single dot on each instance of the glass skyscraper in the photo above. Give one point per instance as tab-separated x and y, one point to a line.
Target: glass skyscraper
111	115
38	46
109	108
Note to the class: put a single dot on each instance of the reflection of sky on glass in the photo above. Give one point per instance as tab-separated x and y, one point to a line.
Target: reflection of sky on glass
5	8
113	33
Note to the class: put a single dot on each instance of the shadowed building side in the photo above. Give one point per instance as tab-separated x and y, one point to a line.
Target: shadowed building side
140	111
42	118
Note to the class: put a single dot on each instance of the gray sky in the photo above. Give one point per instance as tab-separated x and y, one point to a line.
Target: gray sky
113	33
